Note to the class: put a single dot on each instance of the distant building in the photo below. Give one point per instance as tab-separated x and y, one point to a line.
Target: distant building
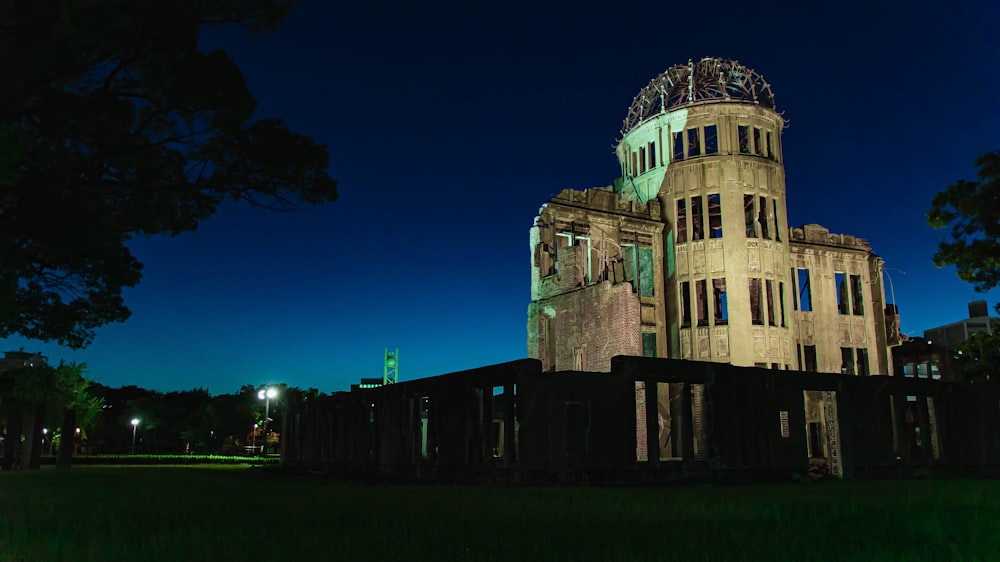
689	255
921	358
979	321
17	359
370	382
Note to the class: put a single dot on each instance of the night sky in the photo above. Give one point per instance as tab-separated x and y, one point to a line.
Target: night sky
450	124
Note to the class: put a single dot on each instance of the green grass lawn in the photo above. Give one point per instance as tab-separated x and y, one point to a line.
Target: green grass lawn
232	513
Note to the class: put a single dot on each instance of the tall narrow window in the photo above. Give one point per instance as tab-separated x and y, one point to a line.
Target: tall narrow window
805	291
714	216
694	142
846	361
652	155
756	312
750	216
631	264
635	164
795	294
682	231
777	223
809	356
719	302
563	242
843	306
857	302
642	159
697	219
744	133
583	255
781	302
645	271
863	368
711	139
648	344
770	145
701	299
758	145
771	319
685	304
762	219
678	146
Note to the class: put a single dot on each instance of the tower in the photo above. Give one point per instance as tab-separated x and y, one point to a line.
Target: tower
390	372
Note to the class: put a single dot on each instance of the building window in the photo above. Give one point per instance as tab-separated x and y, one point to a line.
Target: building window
631	264
701	299
749	216
781	302
756	313
648	344
645	271
857	302
777	223
711	139
744	133
719	302
583	255
635	164
847	361
685	304
652	155
758	145
564	240
771	317
762	219
843	305
697	219
678	146
694	142
863	367
714	216
770	146
682	233
805	292
642	159
809	358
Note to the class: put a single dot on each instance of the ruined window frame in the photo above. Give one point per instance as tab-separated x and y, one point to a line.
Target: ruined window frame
681	225
743	138
857	296
762	218
651	151
714	201
772	319
758	144
777	225
677	148
863	362
701	301
810	358
642	160
697	218
694	142
685	304
649	344
771	152
568	236
804	289
781	303
750	215
847	360
756	306
720	302
842	292
711	137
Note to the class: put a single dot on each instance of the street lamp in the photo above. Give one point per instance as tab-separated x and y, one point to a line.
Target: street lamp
135	425
266	394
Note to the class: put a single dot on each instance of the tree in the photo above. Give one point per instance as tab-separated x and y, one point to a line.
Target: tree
972	210
114	124
979	357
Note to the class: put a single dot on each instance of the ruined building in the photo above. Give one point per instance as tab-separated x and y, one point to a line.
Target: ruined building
689	254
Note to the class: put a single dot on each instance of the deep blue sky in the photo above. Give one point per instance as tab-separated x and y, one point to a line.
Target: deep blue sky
450	124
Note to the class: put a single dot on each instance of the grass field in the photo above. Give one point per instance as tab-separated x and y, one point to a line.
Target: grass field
231	513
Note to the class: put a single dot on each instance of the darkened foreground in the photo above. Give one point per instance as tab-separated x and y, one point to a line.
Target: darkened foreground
648	420
151	514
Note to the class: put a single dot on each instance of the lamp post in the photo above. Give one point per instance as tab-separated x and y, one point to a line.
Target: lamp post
135	426
266	394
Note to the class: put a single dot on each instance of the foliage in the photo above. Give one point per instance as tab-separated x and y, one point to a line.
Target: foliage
979	357
146	515
57	388
114	124
972	210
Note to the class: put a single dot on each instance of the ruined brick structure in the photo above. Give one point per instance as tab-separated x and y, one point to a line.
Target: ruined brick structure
689	255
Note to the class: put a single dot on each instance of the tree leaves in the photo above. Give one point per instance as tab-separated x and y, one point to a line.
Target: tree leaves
972	211
114	124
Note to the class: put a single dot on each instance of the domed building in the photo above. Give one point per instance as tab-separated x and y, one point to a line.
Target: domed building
689	254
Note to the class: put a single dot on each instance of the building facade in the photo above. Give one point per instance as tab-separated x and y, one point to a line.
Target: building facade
689	254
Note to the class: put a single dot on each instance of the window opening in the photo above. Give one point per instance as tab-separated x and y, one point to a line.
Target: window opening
682	235
805	292
648	344
777	223
697	219
719	303
685	304
863	367
781	302
714	216
857	303
762	219
678	146
701	299
756	314
631	264
652	155
770	145
711	139
758	146
843	307
583	255
645	271
642	159
563	242
846	361
748	213
744	134
809	355
694	142
635	164
795	294
771	320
